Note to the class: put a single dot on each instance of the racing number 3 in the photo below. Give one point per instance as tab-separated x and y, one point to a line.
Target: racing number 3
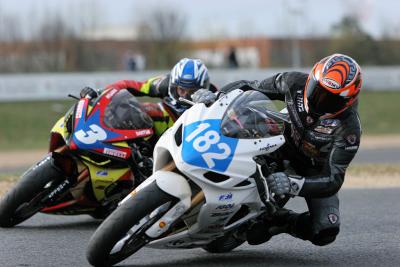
92	136
202	143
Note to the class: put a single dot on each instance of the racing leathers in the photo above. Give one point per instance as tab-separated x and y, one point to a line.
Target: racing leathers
319	151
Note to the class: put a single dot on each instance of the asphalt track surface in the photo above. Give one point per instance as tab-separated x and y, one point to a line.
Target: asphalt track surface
370	236
378	155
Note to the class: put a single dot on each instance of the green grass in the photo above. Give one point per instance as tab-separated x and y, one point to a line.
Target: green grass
26	125
379	112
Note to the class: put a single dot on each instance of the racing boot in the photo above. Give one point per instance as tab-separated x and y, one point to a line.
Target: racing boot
282	221
293	223
258	233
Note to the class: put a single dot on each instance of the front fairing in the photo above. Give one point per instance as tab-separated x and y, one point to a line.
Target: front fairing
99	127
231	157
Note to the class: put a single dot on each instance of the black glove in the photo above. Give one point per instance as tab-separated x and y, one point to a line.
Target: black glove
88	91
204	96
281	184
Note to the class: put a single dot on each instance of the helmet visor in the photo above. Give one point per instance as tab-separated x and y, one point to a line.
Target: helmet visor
321	101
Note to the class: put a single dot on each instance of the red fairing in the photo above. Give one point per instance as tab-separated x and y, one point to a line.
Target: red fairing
124	134
95	116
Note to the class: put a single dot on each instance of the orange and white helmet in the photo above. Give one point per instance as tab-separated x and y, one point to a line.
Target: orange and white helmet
332	86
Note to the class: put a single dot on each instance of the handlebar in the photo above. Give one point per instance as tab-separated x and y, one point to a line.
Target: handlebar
186	101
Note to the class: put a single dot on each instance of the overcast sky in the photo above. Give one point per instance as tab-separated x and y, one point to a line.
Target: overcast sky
211	18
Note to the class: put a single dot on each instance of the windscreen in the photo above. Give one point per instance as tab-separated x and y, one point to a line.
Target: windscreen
124	112
252	115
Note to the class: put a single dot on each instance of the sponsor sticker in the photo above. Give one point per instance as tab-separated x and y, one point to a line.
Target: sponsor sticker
329	122
351	148
268	147
114	152
333	218
102	173
300	101
351	139
79	109
322	129
111	93
225	197
143	132
330	83
225	207
320	137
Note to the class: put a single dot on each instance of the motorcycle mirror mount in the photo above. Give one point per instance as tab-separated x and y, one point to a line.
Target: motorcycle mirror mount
74	97
186	101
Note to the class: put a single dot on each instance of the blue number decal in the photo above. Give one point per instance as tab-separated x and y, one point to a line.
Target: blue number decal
89	134
205	147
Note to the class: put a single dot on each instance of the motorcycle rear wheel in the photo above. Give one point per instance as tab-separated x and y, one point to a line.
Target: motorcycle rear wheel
116	227
24	200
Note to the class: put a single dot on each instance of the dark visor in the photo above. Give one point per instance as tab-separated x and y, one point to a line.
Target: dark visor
321	101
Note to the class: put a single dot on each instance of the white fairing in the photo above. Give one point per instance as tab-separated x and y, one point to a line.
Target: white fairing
198	149
241	167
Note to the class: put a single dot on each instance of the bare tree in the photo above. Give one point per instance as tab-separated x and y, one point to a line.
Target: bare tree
10	33
52	40
160	37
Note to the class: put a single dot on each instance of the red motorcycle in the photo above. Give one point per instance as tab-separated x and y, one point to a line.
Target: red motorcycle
99	151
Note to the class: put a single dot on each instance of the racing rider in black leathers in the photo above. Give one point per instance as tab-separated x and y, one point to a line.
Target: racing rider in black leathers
322	140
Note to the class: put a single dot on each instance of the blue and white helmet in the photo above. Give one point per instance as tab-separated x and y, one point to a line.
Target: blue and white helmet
188	76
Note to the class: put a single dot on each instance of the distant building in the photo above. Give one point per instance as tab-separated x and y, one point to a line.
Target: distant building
100	54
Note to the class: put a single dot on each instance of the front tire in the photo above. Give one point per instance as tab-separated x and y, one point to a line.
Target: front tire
24	200
117	225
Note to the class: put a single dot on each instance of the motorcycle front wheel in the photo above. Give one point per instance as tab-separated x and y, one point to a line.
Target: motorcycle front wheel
24	200
123	232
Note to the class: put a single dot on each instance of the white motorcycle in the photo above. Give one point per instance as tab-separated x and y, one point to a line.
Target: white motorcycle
207	182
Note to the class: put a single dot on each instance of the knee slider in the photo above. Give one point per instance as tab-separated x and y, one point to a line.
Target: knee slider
325	237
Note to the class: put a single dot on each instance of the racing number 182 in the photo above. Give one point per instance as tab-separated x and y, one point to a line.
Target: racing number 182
202	143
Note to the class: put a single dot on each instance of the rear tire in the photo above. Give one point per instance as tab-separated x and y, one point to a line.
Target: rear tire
117	225
26	193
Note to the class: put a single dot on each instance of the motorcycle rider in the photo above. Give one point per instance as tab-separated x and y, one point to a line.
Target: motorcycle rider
185	78
322	139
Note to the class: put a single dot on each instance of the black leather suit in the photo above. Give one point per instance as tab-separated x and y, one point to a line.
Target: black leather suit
318	149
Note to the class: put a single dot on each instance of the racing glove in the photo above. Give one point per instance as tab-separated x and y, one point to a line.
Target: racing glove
204	96
281	184
88	91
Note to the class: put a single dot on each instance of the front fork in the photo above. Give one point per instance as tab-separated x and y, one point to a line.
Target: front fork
175	185
67	168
